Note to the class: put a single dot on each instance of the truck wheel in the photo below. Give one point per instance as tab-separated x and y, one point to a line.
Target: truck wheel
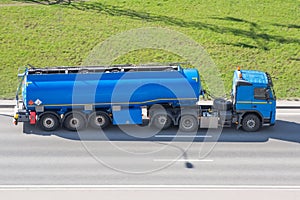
188	123
99	120
222	104
49	122
75	121
162	121
251	123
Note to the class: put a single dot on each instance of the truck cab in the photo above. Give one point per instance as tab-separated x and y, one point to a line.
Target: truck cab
253	98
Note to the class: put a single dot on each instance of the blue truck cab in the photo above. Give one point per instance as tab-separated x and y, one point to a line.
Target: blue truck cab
253	99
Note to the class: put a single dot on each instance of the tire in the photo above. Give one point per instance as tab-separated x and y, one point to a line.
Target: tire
222	104
99	120
188	123
49	122
162	121
75	122
251	123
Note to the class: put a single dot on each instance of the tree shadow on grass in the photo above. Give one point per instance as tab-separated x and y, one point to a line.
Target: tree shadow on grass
255	30
46	2
260	38
243	45
255	33
295	26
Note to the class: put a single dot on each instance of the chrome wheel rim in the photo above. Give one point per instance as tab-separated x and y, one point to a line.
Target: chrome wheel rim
251	123
48	122
74	122
99	120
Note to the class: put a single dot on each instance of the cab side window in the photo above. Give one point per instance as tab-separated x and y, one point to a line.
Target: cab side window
260	93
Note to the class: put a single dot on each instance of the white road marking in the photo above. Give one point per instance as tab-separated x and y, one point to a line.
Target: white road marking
182	160
290	114
149	187
184	136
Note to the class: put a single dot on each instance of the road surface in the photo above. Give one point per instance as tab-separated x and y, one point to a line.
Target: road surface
134	156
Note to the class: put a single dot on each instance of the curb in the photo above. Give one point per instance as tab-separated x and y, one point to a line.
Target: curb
287	107
7	106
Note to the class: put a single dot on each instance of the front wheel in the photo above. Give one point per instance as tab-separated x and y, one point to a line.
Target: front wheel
251	123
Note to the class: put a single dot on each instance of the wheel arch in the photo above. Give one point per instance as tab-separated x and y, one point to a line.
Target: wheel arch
259	115
247	112
50	112
75	112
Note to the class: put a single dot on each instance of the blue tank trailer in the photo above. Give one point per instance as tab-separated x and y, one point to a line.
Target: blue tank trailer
97	96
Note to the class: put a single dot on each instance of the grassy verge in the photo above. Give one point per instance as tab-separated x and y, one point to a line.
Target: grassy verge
262	35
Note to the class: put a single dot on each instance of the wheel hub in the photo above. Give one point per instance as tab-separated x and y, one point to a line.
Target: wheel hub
48	122
187	124
99	120
162	120
251	123
74	122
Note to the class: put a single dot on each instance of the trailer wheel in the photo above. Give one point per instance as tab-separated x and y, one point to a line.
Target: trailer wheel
49	122
188	123
162	121
251	123
99	120
75	121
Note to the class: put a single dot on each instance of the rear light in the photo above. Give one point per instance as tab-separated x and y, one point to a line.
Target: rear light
15	122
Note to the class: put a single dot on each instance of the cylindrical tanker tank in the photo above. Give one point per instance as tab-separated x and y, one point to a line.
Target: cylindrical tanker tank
106	88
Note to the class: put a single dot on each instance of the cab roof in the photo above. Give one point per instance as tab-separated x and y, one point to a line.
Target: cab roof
253	76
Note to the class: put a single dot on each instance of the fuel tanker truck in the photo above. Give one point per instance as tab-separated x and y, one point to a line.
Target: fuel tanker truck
97	96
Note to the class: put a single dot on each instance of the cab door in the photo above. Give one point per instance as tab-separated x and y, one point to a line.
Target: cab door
243	97
262	102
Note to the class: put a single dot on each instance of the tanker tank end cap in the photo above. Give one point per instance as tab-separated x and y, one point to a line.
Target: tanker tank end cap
38	102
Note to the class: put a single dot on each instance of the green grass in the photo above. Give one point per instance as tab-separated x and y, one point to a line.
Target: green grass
254	34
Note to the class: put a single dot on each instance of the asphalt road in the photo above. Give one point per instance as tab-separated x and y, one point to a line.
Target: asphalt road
133	155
